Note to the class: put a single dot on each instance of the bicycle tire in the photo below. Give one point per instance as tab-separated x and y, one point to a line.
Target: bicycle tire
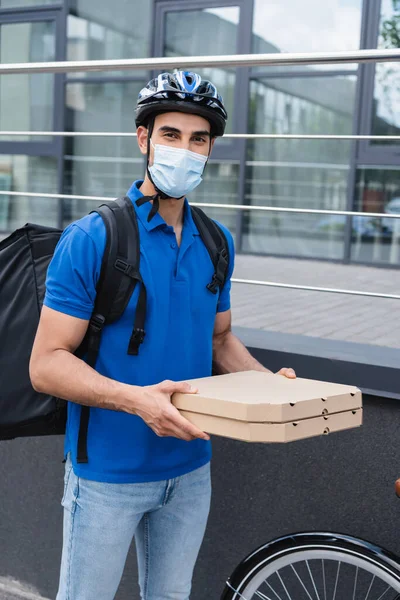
267	564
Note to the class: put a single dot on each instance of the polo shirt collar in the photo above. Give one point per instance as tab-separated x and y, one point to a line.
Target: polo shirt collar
157	221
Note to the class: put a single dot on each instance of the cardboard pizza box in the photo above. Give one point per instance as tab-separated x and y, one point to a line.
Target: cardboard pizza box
275	432
255	396
255	406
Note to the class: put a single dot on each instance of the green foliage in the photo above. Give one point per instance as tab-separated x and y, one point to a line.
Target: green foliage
390	28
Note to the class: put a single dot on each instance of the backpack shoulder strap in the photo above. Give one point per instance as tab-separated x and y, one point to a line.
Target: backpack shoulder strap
118	278
216	243
119	272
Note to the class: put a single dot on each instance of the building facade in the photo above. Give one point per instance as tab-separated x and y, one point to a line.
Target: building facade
324	99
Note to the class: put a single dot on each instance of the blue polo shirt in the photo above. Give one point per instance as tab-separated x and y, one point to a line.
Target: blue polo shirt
178	344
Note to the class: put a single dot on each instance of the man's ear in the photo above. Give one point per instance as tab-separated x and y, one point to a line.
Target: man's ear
142	134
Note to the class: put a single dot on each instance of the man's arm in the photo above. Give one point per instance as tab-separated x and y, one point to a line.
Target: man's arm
55	370
230	355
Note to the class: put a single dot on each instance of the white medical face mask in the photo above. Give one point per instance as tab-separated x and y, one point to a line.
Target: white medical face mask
176	171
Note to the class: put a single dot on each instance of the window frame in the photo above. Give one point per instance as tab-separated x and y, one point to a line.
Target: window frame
234	149
34	15
369	153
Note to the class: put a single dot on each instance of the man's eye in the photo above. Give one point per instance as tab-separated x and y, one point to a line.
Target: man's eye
171	135
199	139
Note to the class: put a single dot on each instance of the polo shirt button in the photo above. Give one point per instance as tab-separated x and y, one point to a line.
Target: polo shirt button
173	245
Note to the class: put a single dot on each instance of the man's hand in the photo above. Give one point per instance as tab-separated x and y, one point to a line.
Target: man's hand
289	373
158	412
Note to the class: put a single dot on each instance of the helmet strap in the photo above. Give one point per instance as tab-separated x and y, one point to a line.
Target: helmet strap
150	129
159	194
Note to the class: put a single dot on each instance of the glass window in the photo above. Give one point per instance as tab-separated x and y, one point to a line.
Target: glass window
376	239
298	173
109	30
323	27
386	105
106	167
27	173
220	186
206	32
26	101
99	166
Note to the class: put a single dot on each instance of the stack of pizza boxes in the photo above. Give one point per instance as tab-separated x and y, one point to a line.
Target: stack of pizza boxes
256	406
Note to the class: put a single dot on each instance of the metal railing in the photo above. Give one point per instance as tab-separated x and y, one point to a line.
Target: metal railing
238	136
186	62
248	60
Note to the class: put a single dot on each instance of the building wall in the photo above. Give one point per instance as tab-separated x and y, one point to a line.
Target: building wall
323	99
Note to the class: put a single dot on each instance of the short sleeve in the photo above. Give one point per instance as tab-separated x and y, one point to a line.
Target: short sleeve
224	302
73	274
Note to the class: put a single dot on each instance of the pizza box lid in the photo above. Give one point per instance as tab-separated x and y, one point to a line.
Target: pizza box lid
275	432
256	396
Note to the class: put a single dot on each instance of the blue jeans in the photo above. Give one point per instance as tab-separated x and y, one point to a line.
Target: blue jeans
167	519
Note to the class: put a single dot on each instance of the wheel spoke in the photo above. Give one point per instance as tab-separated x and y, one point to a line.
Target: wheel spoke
355	584
283	585
235	590
271	588
323	577
350	572
385	592
337	579
312	579
299	578
263	596
370	587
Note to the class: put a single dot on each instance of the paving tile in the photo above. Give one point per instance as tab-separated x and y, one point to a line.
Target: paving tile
332	316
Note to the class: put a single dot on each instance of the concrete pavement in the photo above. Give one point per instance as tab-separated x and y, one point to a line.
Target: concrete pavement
318	314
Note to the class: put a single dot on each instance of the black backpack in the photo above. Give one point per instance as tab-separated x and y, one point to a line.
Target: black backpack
24	259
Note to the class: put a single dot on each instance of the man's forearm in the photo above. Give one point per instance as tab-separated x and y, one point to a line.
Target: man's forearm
231	356
63	375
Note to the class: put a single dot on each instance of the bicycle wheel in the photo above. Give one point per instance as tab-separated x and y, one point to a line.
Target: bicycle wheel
316	566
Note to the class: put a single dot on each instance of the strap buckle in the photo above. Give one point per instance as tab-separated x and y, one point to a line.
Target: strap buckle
122	266
97	322
214	284
219	274
126	269
137	338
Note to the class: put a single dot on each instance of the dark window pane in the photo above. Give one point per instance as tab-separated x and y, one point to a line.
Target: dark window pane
109	30
26	101
377	239
298	173
386	106
220	186
206	32
27	174
99	166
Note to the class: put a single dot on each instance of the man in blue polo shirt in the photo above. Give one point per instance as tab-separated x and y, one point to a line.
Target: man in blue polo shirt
148	473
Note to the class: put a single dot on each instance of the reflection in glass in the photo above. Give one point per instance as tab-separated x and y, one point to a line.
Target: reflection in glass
298	173
386	107
100	166
206	32
323	27
109	30
220	186
377	239
27	173
26	101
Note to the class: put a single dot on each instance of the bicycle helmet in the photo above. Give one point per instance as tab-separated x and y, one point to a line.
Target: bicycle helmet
182	91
